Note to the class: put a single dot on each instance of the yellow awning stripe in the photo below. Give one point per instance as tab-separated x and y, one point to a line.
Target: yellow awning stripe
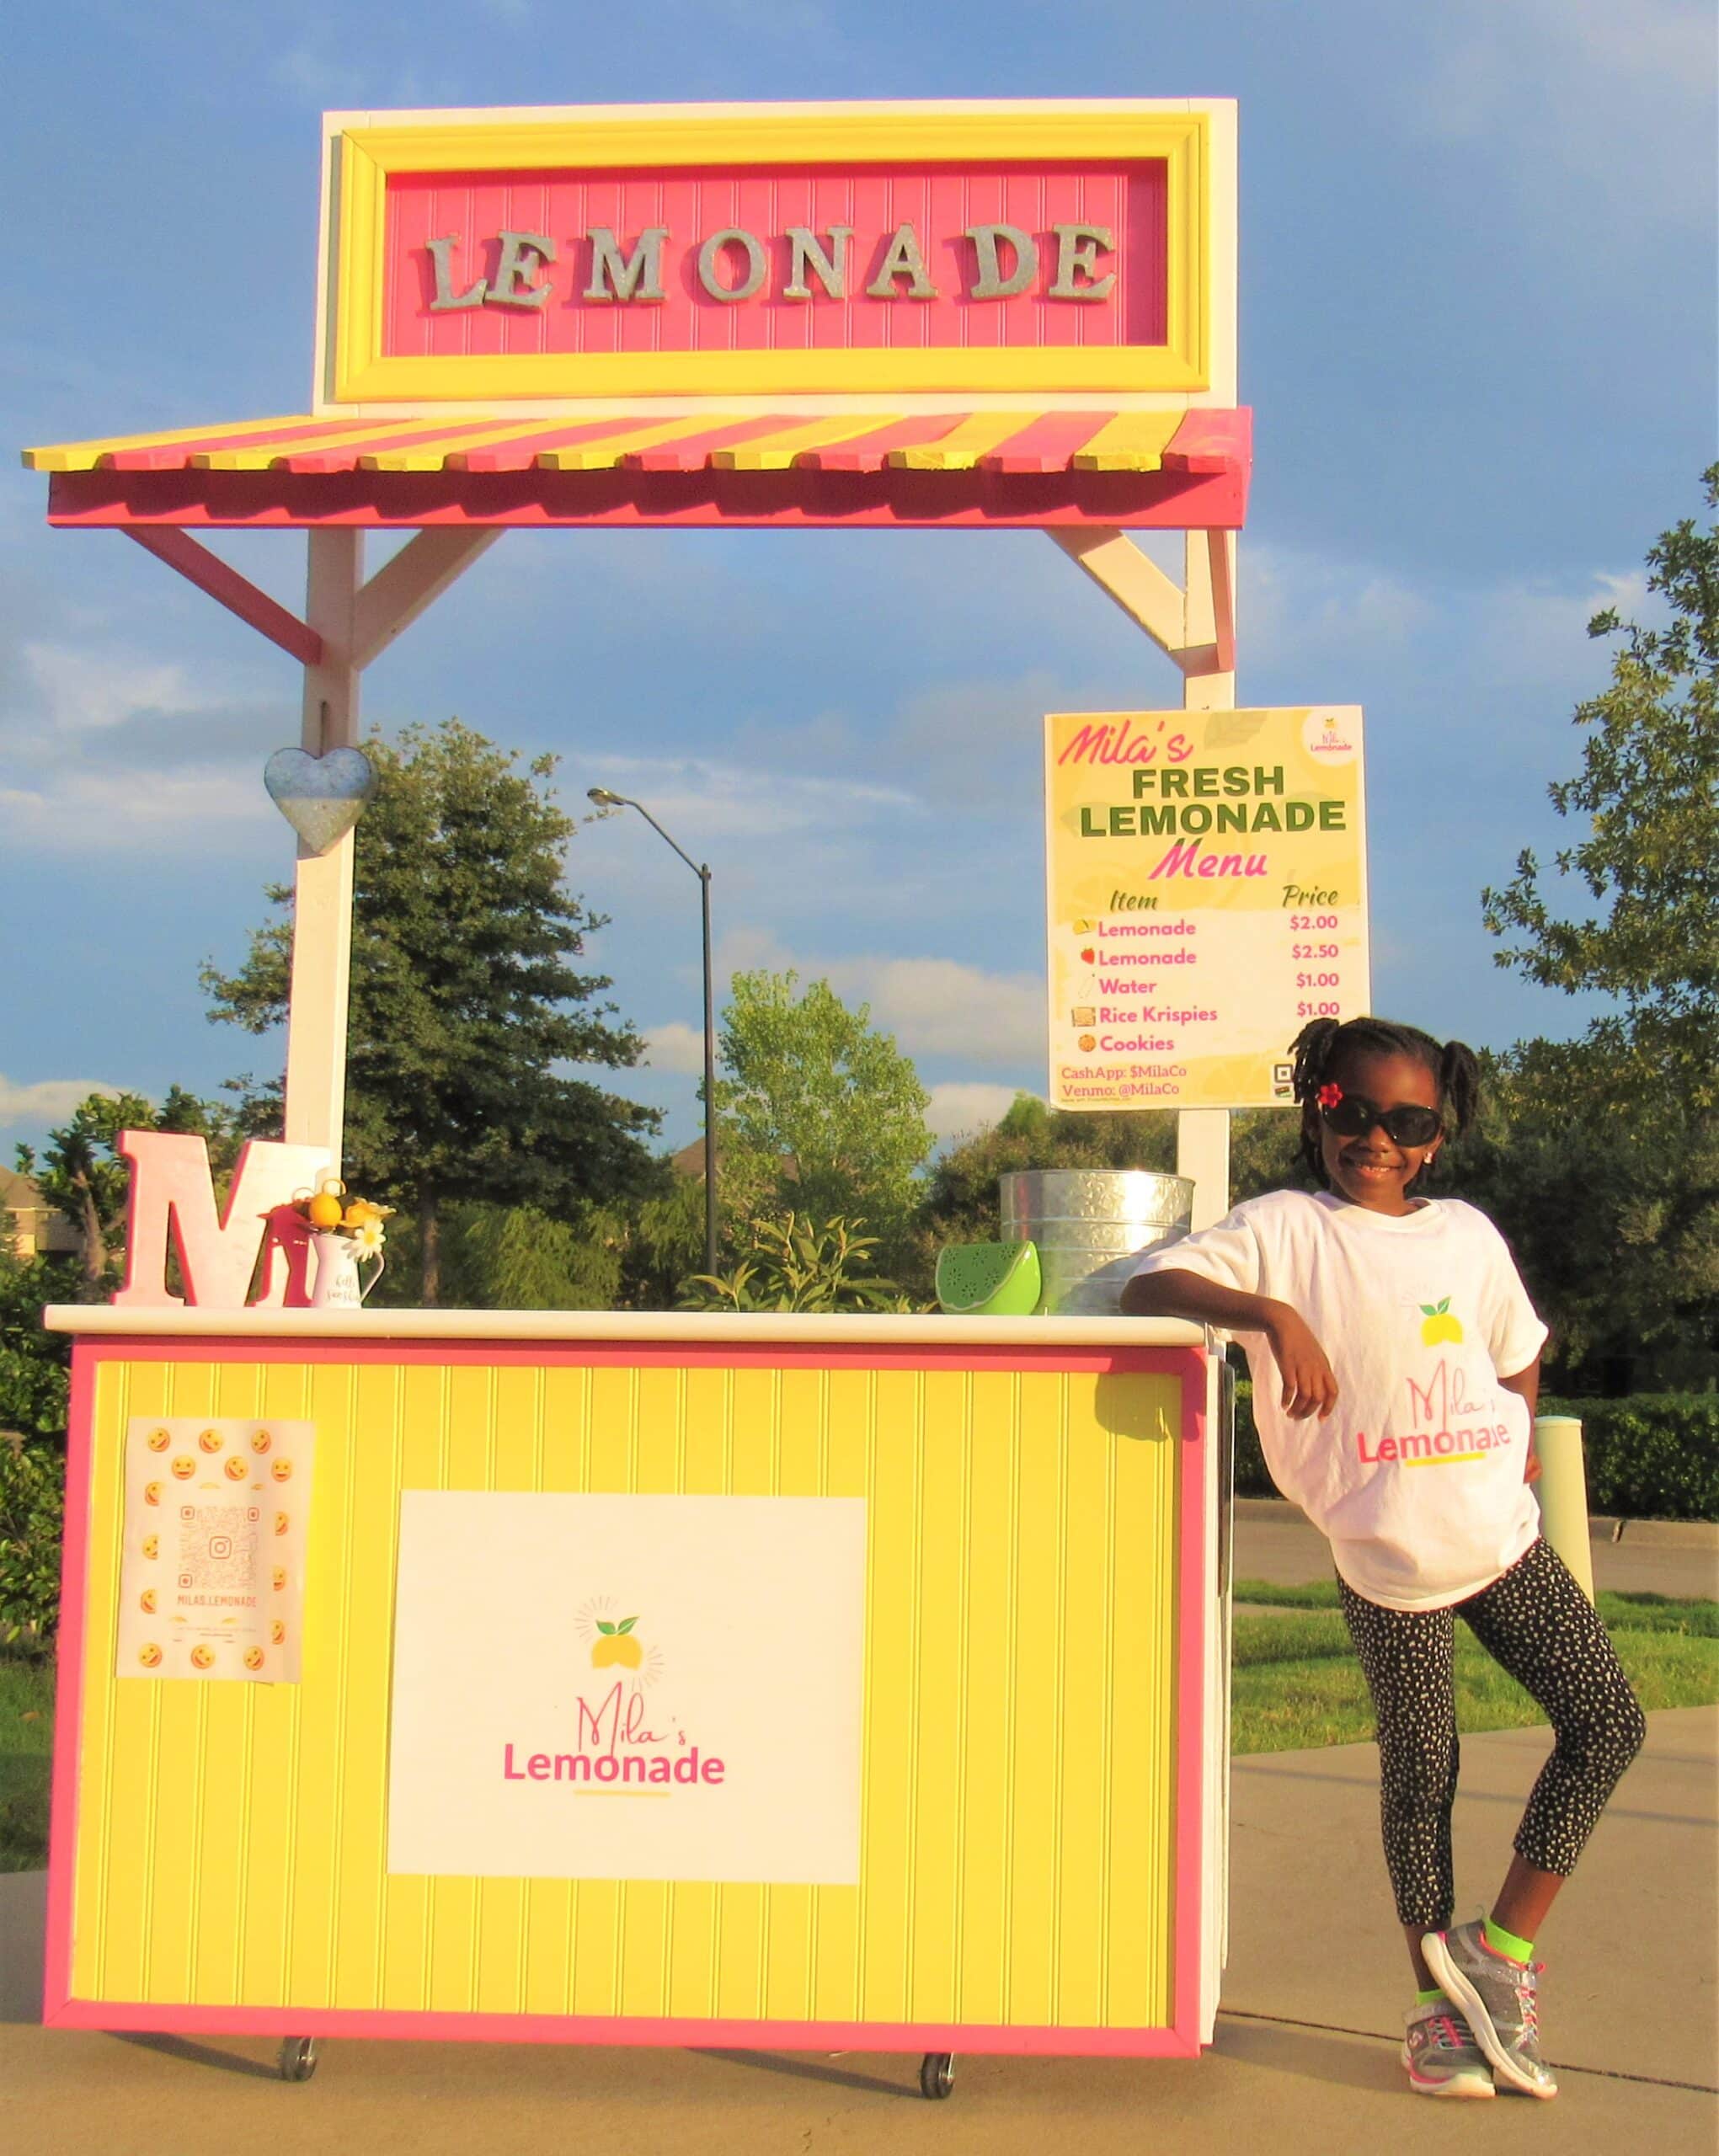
269	453
603	452
85	455
776	452
1132	441
432	456
966	442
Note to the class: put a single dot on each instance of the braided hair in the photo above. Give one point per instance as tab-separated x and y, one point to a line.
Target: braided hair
1321	1044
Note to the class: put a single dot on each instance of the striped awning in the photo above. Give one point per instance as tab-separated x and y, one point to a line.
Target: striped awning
1183	468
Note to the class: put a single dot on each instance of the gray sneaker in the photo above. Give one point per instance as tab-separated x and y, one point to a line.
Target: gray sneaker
1497	1996
1441	2054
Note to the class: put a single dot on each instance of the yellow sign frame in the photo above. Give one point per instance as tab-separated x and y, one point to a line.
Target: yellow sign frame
362	151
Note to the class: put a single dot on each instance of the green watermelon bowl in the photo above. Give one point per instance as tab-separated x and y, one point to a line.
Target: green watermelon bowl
988	1279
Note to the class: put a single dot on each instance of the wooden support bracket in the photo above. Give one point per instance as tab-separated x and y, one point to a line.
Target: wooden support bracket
416	576
237	593
1160	605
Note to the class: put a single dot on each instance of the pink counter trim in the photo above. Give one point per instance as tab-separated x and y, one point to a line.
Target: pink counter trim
1180	2040
68	1718
1189	1923
613	2029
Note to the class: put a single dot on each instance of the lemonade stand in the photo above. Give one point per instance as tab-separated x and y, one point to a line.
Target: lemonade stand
635	1677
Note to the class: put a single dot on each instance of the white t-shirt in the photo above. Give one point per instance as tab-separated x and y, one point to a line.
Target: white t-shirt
1416	1476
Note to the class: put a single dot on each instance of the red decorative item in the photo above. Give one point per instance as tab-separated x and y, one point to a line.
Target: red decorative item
1329	1096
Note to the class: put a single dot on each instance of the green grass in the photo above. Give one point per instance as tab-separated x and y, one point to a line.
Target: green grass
1297	1686
26	1738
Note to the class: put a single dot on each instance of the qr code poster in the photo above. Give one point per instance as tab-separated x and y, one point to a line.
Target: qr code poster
211	1580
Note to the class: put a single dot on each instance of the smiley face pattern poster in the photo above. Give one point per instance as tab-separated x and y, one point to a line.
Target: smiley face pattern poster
211	1578
1206	891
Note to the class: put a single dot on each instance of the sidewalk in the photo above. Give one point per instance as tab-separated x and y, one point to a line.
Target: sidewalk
1306	2057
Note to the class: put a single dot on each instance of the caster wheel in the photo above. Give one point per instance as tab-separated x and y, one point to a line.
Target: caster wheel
297	2060
937	2074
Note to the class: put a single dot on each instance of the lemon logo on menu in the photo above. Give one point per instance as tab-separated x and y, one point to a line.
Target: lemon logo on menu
616	1644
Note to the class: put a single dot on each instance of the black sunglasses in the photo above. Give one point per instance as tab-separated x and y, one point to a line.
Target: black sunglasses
1407	1125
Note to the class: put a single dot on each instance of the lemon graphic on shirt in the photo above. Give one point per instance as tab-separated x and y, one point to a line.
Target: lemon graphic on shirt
1437	1323
617	1644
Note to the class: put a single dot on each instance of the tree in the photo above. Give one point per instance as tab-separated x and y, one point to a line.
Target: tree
1650	784
463	1001
1613	1217
962	1202
818	1110
82	1175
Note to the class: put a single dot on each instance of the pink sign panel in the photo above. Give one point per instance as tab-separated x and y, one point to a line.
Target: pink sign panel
903	258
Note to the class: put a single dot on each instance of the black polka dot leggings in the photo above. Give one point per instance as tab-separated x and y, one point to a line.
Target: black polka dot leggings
1538	1626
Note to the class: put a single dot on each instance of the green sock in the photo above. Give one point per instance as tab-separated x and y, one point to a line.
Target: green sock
1506	1942
1433	1998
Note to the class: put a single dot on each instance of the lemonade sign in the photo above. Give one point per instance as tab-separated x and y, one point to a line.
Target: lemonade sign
610	1686
1206	892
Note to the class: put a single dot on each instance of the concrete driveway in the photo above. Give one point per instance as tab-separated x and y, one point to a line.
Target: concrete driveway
1306	2056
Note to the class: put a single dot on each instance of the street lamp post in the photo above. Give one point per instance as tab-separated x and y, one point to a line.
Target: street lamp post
605	799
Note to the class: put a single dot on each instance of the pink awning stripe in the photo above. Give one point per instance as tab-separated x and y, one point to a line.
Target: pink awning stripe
520	456
871	452
692	453
178	456
348	455
1047	445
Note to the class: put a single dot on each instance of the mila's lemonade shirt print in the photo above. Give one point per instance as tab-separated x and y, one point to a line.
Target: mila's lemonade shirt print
1417	1476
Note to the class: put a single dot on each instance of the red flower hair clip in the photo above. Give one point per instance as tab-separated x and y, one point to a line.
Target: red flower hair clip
1329	1096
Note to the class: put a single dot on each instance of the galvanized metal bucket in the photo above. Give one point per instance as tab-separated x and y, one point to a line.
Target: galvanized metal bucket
1091	1226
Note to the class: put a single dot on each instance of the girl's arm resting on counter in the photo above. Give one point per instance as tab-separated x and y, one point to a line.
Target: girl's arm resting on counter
1309	1386
1527	1384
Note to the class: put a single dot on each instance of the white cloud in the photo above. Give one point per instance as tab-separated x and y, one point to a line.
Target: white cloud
676	1047
122	810
697	801
82	691
49	1100
963	1108
935	1007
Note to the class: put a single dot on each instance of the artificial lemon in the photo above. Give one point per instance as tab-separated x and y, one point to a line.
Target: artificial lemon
324	1210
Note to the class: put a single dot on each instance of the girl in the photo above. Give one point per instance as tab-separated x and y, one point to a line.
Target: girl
1396	1364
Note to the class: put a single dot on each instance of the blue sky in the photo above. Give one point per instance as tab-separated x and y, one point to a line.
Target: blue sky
1477	329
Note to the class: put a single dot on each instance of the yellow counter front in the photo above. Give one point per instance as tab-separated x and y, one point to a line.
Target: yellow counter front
932	1609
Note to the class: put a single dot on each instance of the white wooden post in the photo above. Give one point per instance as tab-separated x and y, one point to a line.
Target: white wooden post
1203	1134
321	910
356	622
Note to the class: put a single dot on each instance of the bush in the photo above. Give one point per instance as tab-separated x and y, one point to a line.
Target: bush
1652	1457
32	1518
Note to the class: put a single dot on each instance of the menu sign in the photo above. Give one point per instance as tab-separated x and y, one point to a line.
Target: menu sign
1206	886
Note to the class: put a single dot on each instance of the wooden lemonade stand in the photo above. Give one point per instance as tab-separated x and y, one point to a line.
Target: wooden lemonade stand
637	1677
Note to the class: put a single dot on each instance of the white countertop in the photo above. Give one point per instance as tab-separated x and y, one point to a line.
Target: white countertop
95	1321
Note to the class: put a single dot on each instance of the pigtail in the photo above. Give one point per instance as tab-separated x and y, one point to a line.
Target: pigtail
1311	1049
1459	1082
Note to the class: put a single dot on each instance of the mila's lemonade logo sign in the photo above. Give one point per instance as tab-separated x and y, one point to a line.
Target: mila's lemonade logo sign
617	1687
614	1743
1443	1424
